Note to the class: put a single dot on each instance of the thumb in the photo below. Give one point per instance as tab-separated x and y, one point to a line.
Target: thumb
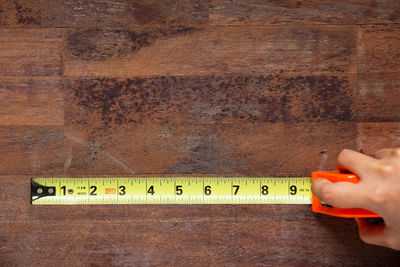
340	194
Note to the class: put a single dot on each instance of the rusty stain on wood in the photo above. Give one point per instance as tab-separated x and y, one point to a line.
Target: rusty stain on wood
215	99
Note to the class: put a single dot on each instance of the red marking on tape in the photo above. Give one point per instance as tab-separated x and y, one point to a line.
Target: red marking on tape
111	191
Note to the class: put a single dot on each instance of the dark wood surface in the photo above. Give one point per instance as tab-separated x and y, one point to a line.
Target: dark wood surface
207	87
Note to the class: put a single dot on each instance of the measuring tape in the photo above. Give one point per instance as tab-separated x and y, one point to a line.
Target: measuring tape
190	190
171	190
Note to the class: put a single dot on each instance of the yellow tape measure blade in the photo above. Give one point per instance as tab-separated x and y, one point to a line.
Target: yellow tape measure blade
171	190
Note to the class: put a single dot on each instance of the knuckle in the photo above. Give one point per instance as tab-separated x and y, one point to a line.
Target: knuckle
396	152
385	169
379	197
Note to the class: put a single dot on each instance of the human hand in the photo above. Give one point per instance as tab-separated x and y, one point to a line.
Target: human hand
377	191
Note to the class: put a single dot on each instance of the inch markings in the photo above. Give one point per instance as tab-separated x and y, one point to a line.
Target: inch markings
171	190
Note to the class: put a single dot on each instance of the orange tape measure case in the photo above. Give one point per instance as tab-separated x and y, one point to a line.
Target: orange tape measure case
325	208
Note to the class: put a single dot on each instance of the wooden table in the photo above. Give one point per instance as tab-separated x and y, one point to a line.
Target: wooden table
204	87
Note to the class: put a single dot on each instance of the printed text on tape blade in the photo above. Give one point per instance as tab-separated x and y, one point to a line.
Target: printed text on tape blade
172	190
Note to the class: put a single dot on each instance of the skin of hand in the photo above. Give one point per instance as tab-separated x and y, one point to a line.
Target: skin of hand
377	191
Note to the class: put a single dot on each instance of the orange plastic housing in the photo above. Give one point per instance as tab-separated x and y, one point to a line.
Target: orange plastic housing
324	208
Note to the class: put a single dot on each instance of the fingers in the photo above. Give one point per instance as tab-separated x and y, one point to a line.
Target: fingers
372	234
341	194
357	163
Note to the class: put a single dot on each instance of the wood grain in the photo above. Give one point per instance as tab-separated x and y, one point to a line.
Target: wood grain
151	148
208	51
31	149
267	244
255	12
378	97
31	52
373	136
197	244
21	13
230	149
101	13
31	101
280	148
125	13
379	49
